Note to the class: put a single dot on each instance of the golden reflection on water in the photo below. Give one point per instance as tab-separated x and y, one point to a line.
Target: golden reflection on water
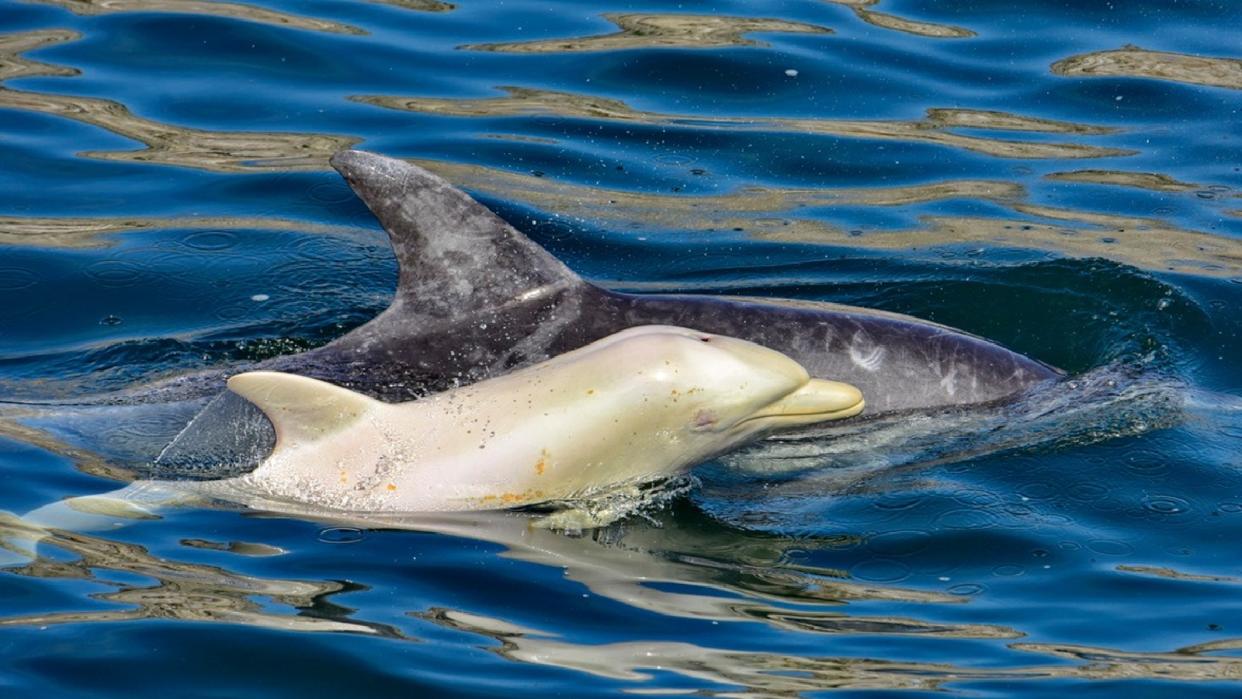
1143	243
934	128
1141	180
219	151
678	567
770	214
14	65
1132	61
763	213
912	26
232	10
95	232
1188	663
419	5
1173	574
629	570
182	591
774	674
773	214
84	460
757	673
640	31
241	548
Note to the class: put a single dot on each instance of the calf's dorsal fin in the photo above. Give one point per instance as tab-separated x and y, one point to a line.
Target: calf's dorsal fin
454	255
303	410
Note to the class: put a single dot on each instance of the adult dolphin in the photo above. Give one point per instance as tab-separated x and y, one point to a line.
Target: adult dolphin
476	298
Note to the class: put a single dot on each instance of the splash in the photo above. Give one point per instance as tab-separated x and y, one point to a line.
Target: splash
602	507
1105	403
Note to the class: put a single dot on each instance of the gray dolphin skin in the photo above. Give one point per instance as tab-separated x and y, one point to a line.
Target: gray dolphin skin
476	298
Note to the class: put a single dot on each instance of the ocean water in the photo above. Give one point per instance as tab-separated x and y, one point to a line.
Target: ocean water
1061	177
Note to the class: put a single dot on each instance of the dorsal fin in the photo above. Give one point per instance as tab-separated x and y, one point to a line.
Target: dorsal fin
454	255
303	410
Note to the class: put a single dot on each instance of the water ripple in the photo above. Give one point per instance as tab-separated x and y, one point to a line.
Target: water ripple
645	31
252	13
1132	61
1000	167
221	151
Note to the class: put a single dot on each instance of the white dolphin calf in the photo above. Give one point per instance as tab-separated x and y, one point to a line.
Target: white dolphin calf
634	407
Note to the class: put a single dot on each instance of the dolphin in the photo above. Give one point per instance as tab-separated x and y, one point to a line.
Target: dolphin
476	298
637	406
625	411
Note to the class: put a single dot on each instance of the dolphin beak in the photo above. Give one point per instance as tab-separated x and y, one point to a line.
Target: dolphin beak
817	401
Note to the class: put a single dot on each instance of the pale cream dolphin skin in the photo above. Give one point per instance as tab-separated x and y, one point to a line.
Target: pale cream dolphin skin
637	406
634	407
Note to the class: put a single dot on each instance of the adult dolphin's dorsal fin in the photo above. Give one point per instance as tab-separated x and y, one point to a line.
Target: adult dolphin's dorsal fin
455	256
303	410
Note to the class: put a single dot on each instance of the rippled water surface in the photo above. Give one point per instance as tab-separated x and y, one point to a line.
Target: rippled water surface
1061	177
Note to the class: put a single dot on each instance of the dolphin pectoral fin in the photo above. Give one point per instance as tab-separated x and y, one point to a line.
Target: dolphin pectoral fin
302	409
455	256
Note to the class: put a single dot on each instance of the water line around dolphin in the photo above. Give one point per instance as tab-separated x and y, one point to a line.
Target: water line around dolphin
633	408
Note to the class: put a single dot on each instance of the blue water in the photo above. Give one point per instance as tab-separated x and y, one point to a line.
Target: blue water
167	206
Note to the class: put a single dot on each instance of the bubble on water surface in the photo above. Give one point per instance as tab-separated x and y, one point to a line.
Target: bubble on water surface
881	570
13	279
1110	547
341	535
211	241
966	519
114	273
1165	504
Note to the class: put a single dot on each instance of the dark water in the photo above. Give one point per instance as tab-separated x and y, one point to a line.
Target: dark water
1062	177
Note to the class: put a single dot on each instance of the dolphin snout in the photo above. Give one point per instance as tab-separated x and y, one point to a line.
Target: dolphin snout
818	400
